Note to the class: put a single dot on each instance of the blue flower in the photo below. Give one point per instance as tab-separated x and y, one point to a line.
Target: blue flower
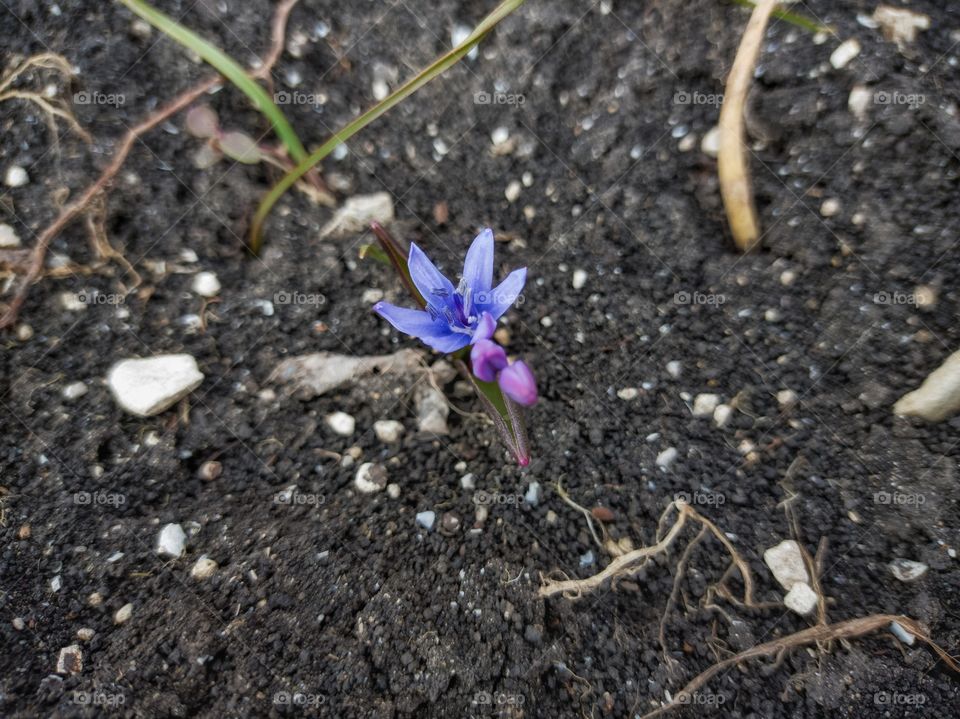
456	317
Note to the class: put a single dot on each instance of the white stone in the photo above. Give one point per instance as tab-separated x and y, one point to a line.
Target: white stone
938	397
341	423
722	414
172	541
203	568
206	284
426	519
16	176
74	390
704	405
579	279
8	237
123	614
710	144
788	277
667	457
786	562
85	634
371	296
830	207
900	24
902	634
627	393
388	430
500	135
513	190
146	387
801	599
468	482
844	53
907	570
859	101
786	398
532	497
393	490
370	478
674	368
70	660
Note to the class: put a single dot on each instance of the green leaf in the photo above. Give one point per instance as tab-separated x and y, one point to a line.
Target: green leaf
374	253
790	17
226	66
438	67
492	391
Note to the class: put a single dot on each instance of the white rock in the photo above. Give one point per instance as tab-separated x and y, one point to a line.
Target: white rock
786	398
532	497
380	89
859	102
830	207
74	390
788	277
206	284
704	405
388	430
667	457
432	410
786	562
146	387
513	190
468	482
674	368
627	393
426	519
710	144
172	541
722	414
902	634
16	176
123	614
85	634
900	25
8	237
579	279
938	397
844	53
370	478
500	135
70	660
393	490
801	599
371	295
358	212
907	570
341	423
203	568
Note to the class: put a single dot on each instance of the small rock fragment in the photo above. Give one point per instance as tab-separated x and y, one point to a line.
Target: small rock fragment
74	390
210	470
449	523
667	457
123	614
341	423
704	405
393	490
938	397
16	176
710	144
859	101
370	478
8	237
801	599
85	634
388	430
786	562
146	387
513	190
674	368
358	212
172	541
907	570
627	393
532	497
902	634
70	660
787	398
722	414
206	284
203	568
579	279
426	519
900	24
830	207
844	53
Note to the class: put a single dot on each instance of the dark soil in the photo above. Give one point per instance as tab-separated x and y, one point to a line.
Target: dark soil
346	602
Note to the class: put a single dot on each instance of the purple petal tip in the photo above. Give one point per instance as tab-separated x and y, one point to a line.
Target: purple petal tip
519	384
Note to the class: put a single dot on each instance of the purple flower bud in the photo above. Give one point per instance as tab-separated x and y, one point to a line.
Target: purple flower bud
518	383
487	358
485	328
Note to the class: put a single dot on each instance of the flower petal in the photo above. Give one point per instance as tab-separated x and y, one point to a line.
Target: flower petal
487	358
478	265
485	328
518	383
435	333
436	289
498	300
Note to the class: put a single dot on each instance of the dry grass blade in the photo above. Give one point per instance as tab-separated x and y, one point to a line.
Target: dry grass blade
735	185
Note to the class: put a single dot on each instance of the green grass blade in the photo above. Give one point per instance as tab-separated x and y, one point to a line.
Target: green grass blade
226	66
438	66
790	17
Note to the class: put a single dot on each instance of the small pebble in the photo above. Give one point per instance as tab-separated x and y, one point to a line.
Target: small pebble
587	559
210	470
74	390
426	519
513	190
18	624
532	497
710	144
787	398
370	478
801	599
24	332
341	423
123	614
16	176
830	207
388	430
206	284
203	568
393	490
172	541
85	634
579	279
674	368
907	570
787	277
722	414
8	237
844	53
667	457
705	404
70	660
627	393
468	482
449	523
